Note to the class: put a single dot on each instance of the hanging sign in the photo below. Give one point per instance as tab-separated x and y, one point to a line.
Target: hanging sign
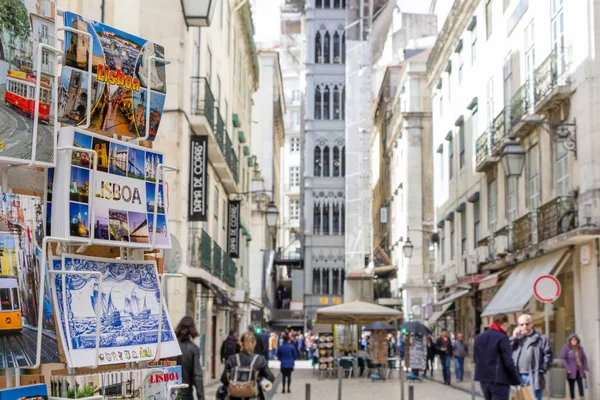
123	201
198	178
233	229
128	82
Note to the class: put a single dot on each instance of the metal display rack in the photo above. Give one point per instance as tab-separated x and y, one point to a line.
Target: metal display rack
6	163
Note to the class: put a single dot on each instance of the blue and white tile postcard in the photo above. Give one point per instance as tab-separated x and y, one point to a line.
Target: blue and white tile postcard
129	311
31	392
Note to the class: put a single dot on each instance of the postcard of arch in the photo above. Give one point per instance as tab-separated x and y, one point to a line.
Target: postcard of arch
128	207
125	81
130	311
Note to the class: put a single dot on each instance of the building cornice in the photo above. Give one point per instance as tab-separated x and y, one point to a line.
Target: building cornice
456	22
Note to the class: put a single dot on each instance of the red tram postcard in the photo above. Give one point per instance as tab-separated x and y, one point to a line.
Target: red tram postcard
127	84
26	58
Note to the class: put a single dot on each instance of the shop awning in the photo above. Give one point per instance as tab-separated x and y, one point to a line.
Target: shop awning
221	297
452	297
490	281
517	290
436	315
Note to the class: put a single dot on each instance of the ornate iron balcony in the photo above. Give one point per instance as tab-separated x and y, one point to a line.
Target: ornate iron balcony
522	233
519	104
498	130
482	149
217	261
203	101
547	76
557	216
206	252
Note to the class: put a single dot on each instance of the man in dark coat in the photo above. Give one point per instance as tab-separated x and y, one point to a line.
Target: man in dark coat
532	355
494	366
444	349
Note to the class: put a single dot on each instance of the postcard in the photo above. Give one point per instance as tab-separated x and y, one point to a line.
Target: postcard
127	87
22	61
128	192
130	311
31	392
21	233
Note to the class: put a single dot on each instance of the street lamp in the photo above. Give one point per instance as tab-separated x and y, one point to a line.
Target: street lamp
408	248
513	160
272	214
198	12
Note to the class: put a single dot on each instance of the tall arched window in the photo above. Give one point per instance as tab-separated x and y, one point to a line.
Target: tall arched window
326	103
317	219
336	3
326	161
343	6
318	104
336	161
336	219
326	281
318	53
343	220
344	47
327	48
343	102
318	161
336	48
336	103
318	3
343	161
316	281
326	3
326	219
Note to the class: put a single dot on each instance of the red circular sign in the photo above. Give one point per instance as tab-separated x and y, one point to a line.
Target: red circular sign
547	289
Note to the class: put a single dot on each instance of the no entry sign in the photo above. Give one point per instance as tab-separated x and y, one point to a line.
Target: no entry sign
546	289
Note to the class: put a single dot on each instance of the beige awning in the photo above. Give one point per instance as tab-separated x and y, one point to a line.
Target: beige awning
356	312
452	297
490	281
436	315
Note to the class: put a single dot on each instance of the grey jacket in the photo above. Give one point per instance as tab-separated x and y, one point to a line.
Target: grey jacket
460	349
541	358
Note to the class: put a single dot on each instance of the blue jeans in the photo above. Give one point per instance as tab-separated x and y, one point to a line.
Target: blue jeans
446	361
270	354
492	391
537	393
459	367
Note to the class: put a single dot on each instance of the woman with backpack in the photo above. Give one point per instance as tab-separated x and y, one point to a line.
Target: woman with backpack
287	354
244	371
191	371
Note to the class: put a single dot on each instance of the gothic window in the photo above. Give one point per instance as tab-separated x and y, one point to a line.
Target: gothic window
336	3
343	161
343	219
336	219
317	219
326	161
318	3
326	49
318	53
326	219
344	47
326	102
326	3
325	286
316	281
343	274
336	161
336	103
336	48
336	282
343	103
318	162
343	4
318	114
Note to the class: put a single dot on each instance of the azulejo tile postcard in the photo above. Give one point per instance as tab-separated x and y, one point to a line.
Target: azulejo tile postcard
22	61
129	311
31	392
128	88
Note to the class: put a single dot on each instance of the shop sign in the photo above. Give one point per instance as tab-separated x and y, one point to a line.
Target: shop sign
323	300
233	229
197	210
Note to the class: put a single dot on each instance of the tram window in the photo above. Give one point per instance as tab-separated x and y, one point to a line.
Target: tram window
31	93
5	300
15	299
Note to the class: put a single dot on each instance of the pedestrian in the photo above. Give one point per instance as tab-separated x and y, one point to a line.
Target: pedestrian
246	357
444	349
230	346
576	363
309	346
494	367
532	355
191	370
363	341
460	351
391	342
301	346
259	347
264	337
431	352
287	355
273	345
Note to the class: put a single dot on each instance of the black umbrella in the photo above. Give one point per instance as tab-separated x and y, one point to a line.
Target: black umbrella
376	326
416	327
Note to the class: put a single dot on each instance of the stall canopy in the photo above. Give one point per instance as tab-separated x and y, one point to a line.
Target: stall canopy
437	314
356	312
517	290
452	297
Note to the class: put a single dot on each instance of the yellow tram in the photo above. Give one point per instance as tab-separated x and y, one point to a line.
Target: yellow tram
10	305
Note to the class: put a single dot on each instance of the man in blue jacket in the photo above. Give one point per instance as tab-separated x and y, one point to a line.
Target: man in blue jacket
494	366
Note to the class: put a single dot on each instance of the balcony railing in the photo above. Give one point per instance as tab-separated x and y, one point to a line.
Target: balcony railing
220	131
231	157
498	130
519	104
286	314
556	217
482	148
549	74
217	261
206	252
522	232
203	101
229	270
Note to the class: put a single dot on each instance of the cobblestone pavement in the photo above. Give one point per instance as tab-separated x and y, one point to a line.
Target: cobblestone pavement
355	388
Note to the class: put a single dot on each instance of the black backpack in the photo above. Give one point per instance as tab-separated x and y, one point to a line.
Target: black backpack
230	347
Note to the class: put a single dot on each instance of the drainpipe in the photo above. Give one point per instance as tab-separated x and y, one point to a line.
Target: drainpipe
102	11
